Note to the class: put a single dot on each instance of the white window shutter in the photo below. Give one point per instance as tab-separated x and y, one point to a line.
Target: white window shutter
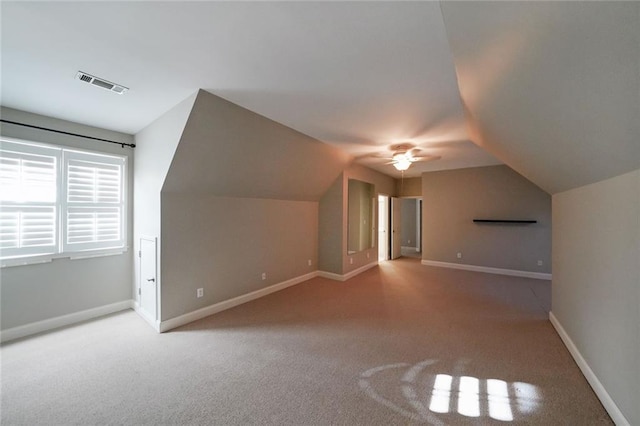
58	201
28	195
27	178
94	202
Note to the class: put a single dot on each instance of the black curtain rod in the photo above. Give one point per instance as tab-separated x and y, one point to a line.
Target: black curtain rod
123	144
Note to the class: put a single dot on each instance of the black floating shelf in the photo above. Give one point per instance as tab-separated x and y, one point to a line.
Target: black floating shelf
503	221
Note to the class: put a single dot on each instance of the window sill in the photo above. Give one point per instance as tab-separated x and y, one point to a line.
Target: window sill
35	260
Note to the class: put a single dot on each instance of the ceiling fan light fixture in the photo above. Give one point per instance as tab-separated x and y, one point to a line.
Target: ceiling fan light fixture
401	161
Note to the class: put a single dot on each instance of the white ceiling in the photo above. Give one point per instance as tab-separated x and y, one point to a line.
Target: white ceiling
358	75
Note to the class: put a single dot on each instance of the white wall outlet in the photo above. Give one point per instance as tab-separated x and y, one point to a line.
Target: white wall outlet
264	275
459	255
351	261
309	262
200	292
408	241
367	255
539	262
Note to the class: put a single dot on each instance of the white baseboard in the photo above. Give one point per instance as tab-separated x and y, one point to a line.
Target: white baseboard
606	400
227	304
345	277
62	321
152	322
490	270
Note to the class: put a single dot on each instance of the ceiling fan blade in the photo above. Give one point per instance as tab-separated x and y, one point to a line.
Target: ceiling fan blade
424	158
371	155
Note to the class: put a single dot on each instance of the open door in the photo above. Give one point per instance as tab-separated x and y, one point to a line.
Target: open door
383	227
148	285
396	235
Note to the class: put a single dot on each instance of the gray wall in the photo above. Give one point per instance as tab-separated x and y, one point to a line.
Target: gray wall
39	292
225	244
383	184
408	228
596	281
330	218
333	221
409	187
360	215
453	198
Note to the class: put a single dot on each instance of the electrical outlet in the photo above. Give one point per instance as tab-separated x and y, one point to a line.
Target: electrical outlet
408	241
351	261
367	255
200	292
459	255
539	262
309	262
264	275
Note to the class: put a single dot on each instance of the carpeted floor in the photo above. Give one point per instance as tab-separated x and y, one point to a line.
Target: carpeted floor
399	344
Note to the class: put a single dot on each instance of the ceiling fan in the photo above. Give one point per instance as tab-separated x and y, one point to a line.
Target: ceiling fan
403	155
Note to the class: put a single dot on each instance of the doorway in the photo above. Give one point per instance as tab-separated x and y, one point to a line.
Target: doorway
411	227
399	227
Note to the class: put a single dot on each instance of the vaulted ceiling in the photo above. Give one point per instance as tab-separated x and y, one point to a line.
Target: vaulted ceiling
551	89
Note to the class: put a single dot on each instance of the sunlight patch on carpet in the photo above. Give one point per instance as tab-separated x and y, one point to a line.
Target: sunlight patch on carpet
422	393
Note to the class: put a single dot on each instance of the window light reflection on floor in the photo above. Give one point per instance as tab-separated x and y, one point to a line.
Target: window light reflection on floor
498	398
470	397
441	394
430	395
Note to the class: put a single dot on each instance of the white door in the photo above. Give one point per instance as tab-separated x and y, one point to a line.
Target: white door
383	227
419	225
148	284
396	236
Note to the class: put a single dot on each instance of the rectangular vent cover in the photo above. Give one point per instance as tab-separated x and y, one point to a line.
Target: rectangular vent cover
112	87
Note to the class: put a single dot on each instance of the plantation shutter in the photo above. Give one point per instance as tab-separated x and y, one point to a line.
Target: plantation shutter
94	201
28	196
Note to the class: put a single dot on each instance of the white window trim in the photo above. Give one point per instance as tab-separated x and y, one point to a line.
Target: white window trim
22	260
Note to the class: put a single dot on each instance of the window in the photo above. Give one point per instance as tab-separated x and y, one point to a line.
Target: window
60	202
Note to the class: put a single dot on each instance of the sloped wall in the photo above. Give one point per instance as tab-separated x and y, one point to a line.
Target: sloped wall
551	88
240	199
227	150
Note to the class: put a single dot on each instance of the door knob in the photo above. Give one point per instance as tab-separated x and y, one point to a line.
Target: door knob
151	279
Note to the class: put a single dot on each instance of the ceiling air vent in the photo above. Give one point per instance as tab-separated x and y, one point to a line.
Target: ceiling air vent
96	81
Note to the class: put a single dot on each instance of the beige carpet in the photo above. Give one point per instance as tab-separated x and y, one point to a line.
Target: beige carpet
400	344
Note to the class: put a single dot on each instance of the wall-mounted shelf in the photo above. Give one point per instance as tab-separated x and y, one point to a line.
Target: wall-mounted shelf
507	221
